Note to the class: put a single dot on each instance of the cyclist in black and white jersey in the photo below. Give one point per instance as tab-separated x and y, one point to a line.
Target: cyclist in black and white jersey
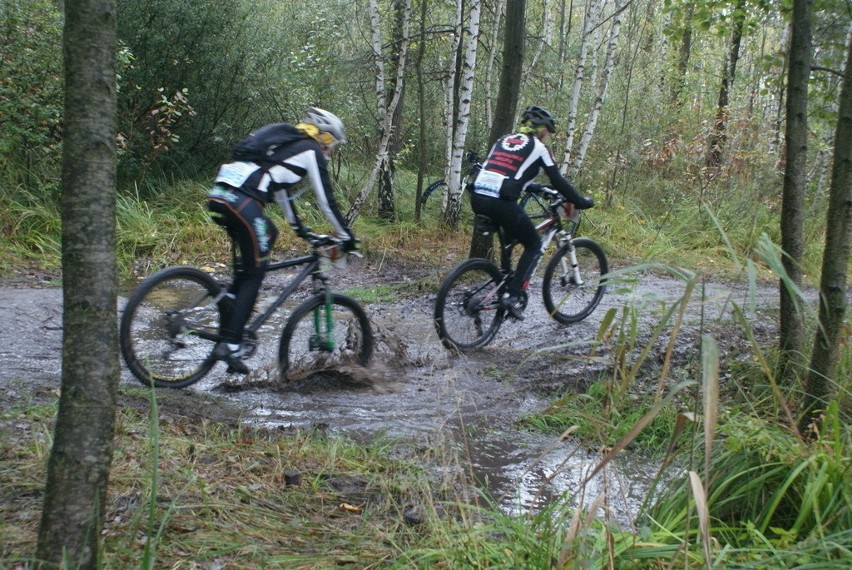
513	162
267	166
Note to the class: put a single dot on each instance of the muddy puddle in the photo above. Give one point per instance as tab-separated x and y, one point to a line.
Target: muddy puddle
419	395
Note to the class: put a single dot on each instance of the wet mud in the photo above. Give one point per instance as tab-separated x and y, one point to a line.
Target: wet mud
415	392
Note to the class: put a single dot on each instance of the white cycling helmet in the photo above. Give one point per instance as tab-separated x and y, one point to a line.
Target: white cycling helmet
326	123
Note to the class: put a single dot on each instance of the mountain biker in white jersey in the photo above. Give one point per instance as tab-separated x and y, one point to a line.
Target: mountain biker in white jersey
513	162
267	165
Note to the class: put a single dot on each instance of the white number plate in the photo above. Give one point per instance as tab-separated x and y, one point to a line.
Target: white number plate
236	173
488	183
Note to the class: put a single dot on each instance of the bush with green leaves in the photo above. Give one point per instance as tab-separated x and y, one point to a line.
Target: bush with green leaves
31	85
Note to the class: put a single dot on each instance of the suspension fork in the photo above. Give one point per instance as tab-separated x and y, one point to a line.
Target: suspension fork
324	323
570	266
574	268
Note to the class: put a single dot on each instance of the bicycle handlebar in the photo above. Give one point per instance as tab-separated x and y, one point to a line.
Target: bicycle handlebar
554	197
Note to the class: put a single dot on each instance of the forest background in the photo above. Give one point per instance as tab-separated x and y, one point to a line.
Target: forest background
663	108
672	115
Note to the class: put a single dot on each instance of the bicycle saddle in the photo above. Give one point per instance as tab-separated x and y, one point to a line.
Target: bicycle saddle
484	225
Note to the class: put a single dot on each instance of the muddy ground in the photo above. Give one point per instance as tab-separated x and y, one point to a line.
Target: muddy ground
415	391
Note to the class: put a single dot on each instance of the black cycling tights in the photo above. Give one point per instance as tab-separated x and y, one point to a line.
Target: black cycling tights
517	226
254	235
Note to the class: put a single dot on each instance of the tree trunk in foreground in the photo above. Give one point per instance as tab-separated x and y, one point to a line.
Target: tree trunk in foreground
78	469
791	328
835	261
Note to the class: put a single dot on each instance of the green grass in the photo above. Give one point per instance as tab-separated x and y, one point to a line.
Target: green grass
600	421
163	221
219	494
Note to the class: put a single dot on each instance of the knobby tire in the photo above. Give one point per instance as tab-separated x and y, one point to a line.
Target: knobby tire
299	355
169	327
564	300
467	311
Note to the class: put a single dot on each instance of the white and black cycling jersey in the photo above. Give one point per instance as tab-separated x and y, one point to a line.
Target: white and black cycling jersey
513	162
276	178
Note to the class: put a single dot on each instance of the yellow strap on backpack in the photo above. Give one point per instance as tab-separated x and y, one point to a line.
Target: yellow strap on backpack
314	132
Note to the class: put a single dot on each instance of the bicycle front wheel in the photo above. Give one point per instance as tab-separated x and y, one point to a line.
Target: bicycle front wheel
571	296
467	310
325	337
169	327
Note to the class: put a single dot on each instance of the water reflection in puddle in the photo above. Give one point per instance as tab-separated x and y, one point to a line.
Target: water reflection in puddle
526	471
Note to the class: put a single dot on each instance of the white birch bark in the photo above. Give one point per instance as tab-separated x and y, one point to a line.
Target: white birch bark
595	46
589	24
454	188
602	88
386	128
376	45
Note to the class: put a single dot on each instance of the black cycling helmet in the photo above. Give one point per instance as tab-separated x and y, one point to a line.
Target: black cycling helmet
539	117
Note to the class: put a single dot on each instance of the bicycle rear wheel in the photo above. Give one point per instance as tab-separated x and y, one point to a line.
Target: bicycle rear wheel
432	200
320	338
467	309
169	328
566	301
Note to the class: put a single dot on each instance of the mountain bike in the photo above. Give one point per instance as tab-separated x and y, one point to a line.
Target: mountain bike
170	323
468	309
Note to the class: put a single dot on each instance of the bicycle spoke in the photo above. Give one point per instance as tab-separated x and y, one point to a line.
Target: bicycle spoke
168	327
467	310
571	294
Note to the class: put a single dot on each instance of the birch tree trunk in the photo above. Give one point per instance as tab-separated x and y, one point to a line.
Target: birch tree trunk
451	93
378	60
386	127
602	88
454	189
589	25
385	178
387	206
78	469
421	108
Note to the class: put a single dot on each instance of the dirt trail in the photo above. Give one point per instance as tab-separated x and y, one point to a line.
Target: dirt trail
418	390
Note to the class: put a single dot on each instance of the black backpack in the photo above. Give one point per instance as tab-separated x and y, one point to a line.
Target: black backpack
260	144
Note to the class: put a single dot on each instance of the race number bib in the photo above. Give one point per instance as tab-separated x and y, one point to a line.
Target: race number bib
236	173
488	183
